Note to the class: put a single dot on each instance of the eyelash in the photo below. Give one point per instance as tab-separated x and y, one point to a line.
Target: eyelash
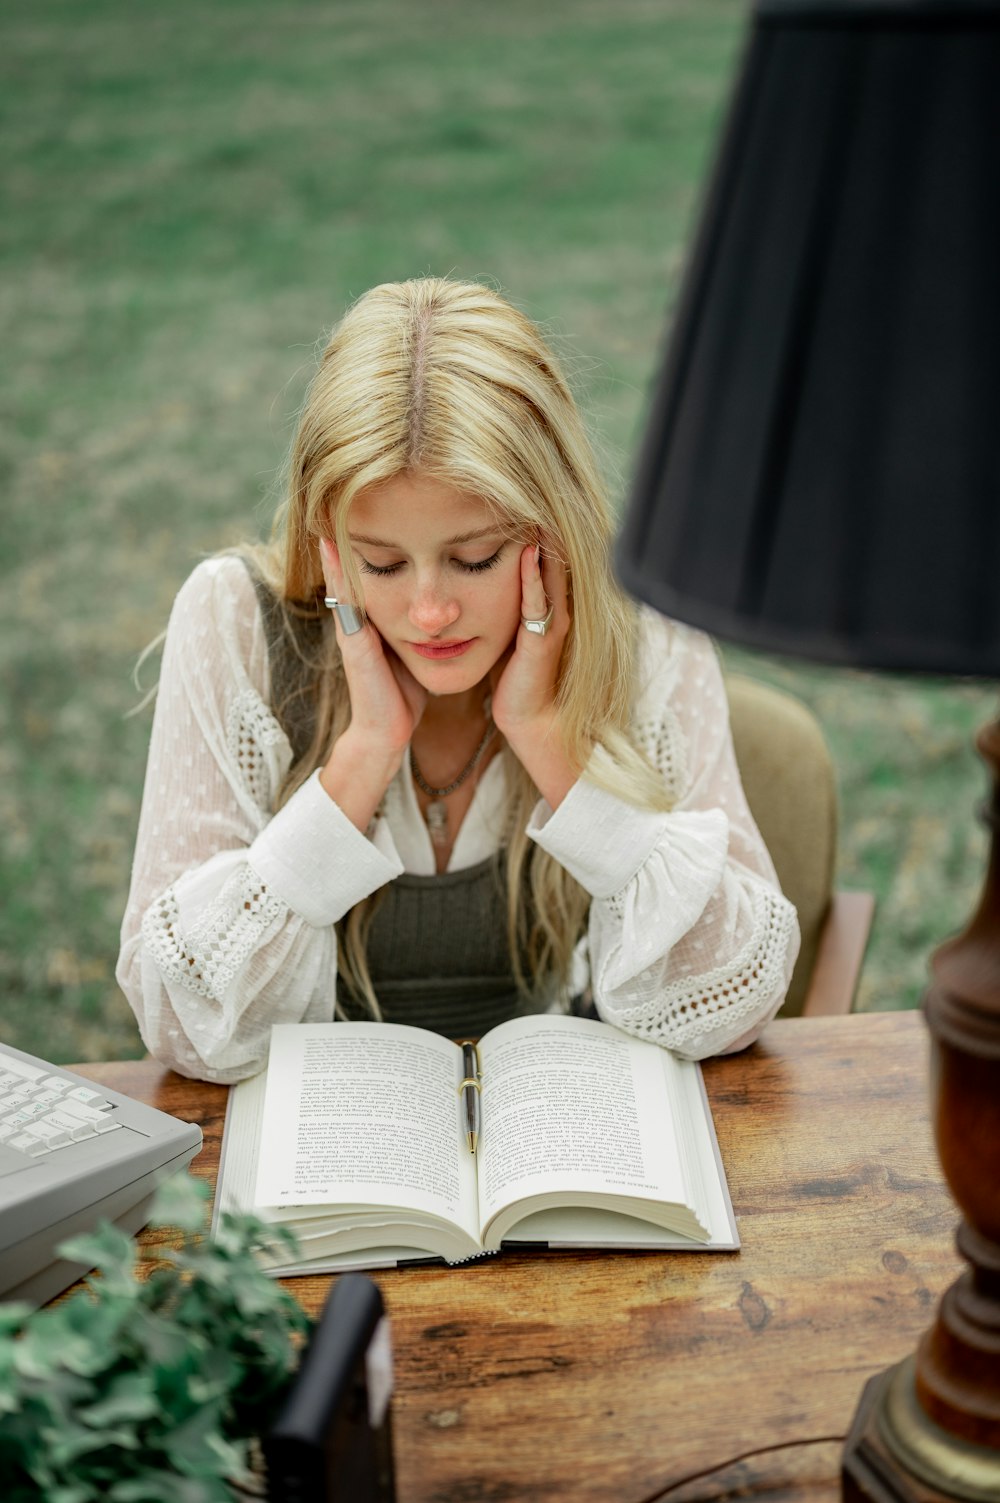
385	571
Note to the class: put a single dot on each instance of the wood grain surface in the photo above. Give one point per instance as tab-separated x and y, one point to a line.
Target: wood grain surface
615	1377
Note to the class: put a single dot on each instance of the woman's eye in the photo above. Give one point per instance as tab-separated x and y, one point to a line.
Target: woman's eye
385	571
483	563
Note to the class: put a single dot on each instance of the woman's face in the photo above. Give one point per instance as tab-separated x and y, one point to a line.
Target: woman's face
442	581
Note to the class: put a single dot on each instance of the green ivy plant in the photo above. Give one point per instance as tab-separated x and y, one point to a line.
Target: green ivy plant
149	1390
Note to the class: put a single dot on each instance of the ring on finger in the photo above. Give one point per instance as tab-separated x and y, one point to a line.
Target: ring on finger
350	621
538	628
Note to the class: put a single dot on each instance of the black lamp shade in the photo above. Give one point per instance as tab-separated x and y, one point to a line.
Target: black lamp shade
821	469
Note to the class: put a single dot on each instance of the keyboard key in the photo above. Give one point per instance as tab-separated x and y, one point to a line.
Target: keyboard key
47	1096
18	1119
27	1142
79	1110
13	1102
76	1128
106	1124
55	1083
22	1068
50	1133
84	1093
7	1129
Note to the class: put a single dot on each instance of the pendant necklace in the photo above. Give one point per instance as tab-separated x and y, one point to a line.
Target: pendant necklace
437	810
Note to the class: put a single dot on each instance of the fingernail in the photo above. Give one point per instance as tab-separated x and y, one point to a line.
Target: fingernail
538	554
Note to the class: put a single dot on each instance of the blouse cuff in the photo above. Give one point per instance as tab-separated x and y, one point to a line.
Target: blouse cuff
603	841
314	859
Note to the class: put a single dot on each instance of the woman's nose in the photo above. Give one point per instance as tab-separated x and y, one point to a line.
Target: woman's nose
433	609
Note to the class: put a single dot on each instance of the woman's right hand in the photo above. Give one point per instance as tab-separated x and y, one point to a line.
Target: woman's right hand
386	706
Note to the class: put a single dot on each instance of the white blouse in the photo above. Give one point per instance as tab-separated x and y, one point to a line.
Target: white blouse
229	924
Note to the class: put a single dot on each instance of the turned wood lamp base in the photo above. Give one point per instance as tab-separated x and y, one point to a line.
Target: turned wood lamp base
928	1430
895	1454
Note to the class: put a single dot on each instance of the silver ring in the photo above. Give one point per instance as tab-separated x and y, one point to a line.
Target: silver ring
350	621
538	628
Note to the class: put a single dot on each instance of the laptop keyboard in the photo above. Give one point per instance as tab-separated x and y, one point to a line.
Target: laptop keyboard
41	1112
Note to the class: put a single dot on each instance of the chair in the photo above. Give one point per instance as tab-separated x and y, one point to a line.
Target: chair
790	786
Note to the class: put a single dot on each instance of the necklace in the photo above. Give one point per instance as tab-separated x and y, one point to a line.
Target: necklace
437	812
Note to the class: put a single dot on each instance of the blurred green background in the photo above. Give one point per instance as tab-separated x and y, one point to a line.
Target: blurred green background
191	194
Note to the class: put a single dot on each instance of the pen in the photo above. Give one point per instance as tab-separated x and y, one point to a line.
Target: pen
469	1090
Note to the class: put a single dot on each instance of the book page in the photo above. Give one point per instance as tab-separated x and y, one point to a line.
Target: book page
364	1114
572	1105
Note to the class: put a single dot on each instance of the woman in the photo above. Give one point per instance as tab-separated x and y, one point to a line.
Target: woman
420	758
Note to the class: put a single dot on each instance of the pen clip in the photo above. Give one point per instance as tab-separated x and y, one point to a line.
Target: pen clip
471	1063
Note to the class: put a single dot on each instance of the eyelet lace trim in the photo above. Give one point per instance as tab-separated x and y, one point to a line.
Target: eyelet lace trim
250	727
207	960
728	997
662	742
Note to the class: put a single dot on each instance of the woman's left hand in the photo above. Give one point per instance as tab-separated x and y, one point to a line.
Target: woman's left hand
524	689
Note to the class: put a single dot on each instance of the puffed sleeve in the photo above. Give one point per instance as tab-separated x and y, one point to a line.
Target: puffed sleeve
229	923
691	943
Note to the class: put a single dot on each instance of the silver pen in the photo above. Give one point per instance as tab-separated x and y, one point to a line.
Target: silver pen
469	1090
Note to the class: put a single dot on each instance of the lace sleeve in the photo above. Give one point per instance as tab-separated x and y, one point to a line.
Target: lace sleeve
229	923
691	943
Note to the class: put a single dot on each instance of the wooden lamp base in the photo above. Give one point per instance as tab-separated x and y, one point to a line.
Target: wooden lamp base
929	1429
895	1454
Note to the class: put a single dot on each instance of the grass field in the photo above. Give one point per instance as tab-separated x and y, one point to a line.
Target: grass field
190	195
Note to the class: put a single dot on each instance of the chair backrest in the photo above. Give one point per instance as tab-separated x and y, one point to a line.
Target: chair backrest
790	786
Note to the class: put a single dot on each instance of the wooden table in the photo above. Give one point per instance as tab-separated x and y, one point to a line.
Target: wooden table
591	1377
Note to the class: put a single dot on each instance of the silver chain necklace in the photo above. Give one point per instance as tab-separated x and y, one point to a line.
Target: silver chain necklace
437	811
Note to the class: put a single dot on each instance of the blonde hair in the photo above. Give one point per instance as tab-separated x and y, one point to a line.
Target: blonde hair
447	378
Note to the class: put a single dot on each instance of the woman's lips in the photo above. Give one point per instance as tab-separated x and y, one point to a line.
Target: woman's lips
442	649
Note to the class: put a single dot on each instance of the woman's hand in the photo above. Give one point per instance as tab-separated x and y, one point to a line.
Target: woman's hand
386	705
524	690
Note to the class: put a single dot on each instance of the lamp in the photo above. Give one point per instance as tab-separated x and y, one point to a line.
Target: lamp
820	475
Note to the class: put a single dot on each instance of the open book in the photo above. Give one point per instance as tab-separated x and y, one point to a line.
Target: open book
355	1136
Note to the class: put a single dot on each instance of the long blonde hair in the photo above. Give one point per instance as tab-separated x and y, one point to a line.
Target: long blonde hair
449	379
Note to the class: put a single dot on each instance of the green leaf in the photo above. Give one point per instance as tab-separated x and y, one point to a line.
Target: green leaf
167	1487
166	1344
189	1447
97	1332
12	1318
48	1348
65	1447
39	1353
108	1248
181	1202
154	1487
216	1375
70	1492
130	1397
236	1234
